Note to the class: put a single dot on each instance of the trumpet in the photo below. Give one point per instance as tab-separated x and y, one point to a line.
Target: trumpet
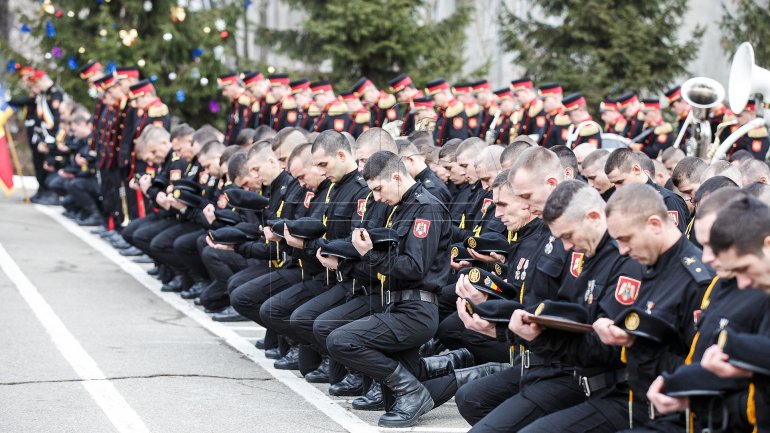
124	206
491	134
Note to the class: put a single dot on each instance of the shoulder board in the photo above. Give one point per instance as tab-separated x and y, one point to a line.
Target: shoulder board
472	110
387	102
728	117
313	111
588	130
337	109
159	110
454	110
665	128
361	181
270	99
640	116
535	108
363	117
289	103
493	109
255	107
561	120
699	271
423	198
620	126
244	100
760	132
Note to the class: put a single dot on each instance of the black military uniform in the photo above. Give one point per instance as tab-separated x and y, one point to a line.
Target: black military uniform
398	84
635	121
434	185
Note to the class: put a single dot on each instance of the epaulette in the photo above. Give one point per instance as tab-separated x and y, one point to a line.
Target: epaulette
619	126
270	99
313	111
699	271
664	128
363	117
244	100
361	181
255	107
760	132
158	110
588	130
535	108
561	120
473	110
387	102
288	103
728	117
640	116
423	198
454	109
123	103
338	108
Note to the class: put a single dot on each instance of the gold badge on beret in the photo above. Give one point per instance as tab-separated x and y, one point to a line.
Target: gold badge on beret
632	321
455	252
474	275
472	242
498	269
177	193
540	308
468	308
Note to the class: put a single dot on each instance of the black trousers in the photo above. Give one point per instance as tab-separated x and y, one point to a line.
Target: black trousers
302	319
276	312
377	344
56	183
186	250
453	334
608	414
247	299
356	308
111	205
252	272
84	192
221	265
162	245
146	232
531	403
475	400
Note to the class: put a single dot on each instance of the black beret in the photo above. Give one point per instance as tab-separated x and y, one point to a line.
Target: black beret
186	197
306	228
228	236
338	248
747	351
189	185
247	200
488	243
494	310
459	253
276	225
636	321
250	229
227	216
490	283
383	238
565	316
695	381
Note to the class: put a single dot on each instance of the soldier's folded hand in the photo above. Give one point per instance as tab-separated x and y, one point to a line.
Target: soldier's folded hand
330	262
269	235
663	403
459	265
362	241
217	246
291	240
144	182
491	258
208	213
715	361
612	335
464	289
520	326
474	323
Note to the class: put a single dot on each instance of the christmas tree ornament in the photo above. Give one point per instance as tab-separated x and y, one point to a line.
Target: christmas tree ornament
72	63
207	30
71	14
153	78
172	76
195	73
50	30
219	52
56	52
247	4
224	35
140	63
47	56
110	68
178	14
147	5
59	14
46	7
167	36
180	95
220	24
25	28
11	66
84	13
197	53
103	32
214	106
204	81
128	37
82	50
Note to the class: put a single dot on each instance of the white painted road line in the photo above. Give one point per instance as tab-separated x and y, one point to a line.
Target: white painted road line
311	394
122	416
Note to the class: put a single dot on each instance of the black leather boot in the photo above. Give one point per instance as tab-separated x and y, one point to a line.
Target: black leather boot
412	399
320	374
431	347
352	385
290	361
441	365
372	400
465	375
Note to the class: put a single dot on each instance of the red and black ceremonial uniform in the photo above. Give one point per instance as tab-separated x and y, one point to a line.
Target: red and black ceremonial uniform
619	124
398	84
310	114
238	116
673	95
558	128
285	113
476	116
717	115
359	122
452	122
635	120
255	104
386	110
755	142
586	131
333	116
534	121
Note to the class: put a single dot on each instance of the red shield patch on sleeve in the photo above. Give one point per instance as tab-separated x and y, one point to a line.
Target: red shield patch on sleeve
361	208
662	138
308	197
473	123
291	116
576	264
175	174
391	114
540	121
627	290
203	178
485	205
564	133
756	145
458	122
339	124
421	227
150	171
222	201
674	215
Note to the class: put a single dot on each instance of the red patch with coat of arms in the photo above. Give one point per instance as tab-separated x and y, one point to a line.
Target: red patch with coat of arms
361	208
627	290
756	145
674	215
391	114
291	116
421	227
576	264
458	122
540	121
308	197
485	205
339	124
472	122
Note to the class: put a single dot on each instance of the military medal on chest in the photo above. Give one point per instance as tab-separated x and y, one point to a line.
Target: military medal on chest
589	296
549	247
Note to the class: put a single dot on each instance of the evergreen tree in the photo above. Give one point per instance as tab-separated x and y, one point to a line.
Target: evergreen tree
374	38
181	50
601	47
750	23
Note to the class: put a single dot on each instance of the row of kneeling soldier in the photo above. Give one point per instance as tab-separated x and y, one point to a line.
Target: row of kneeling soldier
409	247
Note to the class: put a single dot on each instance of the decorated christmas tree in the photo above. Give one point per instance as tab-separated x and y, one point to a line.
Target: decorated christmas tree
181	48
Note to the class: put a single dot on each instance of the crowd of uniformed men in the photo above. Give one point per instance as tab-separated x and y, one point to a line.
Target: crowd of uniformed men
408	246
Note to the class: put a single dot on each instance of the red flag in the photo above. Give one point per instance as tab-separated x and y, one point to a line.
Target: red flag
6	166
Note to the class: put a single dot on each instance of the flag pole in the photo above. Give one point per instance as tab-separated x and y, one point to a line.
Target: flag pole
15	159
